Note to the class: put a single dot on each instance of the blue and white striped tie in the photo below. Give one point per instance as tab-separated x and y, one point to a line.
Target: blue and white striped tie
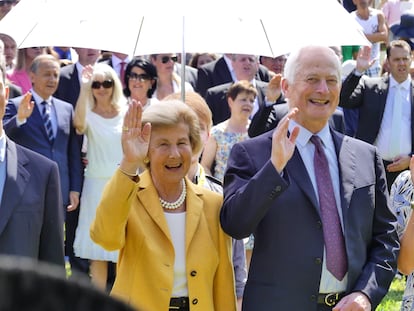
47	121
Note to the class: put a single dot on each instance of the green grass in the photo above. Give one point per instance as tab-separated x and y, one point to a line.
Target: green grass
392	301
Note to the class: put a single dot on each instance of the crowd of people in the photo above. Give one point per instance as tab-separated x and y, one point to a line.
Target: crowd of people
275	183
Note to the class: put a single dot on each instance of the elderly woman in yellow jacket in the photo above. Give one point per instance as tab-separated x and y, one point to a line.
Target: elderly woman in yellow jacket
173	252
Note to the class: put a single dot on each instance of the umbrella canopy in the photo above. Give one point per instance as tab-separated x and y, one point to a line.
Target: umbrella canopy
135	27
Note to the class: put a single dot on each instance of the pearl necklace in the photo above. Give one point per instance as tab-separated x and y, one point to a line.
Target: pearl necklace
178	203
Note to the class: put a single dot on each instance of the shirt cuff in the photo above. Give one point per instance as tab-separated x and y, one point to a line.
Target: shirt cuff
20	123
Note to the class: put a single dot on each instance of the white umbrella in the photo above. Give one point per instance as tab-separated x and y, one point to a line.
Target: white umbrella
135	27
222	26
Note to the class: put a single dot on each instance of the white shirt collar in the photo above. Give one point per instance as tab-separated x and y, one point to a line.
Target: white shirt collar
2	147
405	84
39	99
305	135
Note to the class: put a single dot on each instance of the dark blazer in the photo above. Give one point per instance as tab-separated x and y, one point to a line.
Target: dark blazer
268	117
31	215
69	87
282	212
217	101
14	90
65	150
217	72
190	74
370	96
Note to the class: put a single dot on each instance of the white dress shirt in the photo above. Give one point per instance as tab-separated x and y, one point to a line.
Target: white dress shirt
383	140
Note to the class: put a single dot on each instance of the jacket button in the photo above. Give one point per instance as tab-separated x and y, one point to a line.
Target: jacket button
193	273
318	261
278	188
319	224
313	298
194	301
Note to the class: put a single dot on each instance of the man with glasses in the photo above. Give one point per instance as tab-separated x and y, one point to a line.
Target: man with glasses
221	71
245	67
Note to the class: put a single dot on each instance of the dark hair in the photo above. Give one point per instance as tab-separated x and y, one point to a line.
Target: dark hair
242	86
30	285
400	43
149	69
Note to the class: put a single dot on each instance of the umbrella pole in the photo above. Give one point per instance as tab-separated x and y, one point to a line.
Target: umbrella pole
183	63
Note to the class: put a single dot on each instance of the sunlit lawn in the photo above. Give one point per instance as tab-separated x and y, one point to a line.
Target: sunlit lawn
392	301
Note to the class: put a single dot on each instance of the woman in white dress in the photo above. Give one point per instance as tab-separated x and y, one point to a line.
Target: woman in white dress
99	115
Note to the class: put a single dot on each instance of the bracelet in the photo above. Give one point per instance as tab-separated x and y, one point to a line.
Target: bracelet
128	174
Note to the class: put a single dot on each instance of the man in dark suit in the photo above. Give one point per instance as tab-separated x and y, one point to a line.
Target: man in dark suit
219	72
190	73
68	90
245	68
273	189
31	215
268	121
24	124
69	79
118	61
376	99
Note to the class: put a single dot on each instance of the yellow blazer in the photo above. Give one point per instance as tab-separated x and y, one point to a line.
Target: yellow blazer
130	218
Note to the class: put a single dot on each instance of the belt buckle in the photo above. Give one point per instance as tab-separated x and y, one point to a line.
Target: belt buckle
331	299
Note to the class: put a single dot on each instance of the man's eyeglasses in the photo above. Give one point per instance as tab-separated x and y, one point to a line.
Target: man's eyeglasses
107	84
166	59
9	2
139	77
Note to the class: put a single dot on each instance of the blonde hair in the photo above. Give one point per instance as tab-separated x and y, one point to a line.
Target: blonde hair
109	73
198	104
169	113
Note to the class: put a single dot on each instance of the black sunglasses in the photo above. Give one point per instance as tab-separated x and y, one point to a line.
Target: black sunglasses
166	59
139	77
9	2
107	84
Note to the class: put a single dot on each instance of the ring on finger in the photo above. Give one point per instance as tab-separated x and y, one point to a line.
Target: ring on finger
125	128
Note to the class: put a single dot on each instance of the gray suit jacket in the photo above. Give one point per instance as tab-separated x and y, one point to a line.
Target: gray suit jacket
31	214
282	212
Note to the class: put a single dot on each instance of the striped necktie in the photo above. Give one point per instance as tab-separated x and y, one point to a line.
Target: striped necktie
47	121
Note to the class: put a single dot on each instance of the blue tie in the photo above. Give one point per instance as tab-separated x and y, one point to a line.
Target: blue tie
336	260
47	121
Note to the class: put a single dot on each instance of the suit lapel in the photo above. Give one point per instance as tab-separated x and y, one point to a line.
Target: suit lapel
412	115
346	167
382	88
298	172
194	212
17	178
148	194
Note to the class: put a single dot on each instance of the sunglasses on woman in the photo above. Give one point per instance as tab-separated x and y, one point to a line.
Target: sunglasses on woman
166	59
139	77
107	84
7	2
